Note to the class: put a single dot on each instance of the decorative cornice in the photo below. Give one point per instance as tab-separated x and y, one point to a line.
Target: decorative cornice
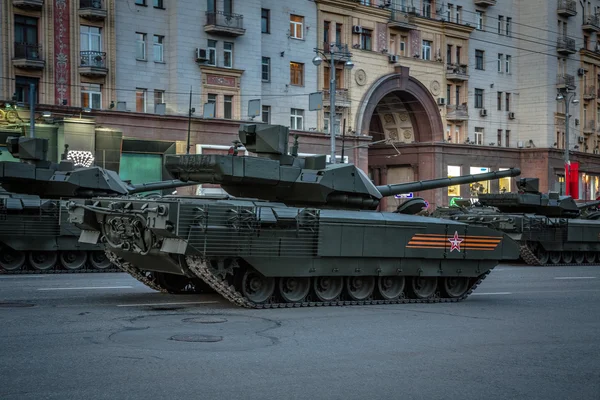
590	56
222	71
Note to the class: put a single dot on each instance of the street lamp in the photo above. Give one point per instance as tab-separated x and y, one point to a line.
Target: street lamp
568	97
341	54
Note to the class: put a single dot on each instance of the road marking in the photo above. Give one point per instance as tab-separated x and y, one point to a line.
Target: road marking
22	276
575	277
87	288
166	304
491	294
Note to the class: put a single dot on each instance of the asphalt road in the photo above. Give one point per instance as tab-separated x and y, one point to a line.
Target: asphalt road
526	333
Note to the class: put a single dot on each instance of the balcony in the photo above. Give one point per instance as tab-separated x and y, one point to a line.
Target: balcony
485	3
590	127
456	72
220	23
342	98
567	8
402	20
565	45
589	93
341	52
92	10
457	113
28	4
92	64
28	56
564	81
591	23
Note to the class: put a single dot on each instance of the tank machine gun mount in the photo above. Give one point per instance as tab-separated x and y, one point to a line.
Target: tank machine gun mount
308	235
36	175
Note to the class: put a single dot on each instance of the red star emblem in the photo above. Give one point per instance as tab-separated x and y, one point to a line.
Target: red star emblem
455	242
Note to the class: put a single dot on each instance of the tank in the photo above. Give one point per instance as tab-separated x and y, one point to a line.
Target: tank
550	228
292	231
35	235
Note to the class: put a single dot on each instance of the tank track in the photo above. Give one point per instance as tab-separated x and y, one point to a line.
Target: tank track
222	287
530	258
136	273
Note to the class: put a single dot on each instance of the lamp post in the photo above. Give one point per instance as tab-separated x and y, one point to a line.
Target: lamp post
341	54
568	96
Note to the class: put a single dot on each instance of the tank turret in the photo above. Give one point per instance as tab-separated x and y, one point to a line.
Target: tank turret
36	175
275	175
530	200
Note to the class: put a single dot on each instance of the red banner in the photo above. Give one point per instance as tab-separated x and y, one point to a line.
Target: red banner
574	180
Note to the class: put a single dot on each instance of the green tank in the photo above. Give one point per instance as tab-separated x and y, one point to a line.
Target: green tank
35	235
299	232
550	228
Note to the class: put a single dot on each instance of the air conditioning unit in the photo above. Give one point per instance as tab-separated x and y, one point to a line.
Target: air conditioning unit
121	106
385	4
596	151
511	115
597	48
357	29
441	101
393	58
581	72
201	54
520	144
483	112
580	139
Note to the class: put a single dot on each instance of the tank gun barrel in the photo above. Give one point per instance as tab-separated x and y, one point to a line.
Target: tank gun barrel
400	188
588	205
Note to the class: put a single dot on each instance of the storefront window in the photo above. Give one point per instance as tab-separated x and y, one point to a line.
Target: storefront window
453	170
504	184
588	187
478	188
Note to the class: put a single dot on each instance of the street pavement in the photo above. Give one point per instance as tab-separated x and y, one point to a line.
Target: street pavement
525	333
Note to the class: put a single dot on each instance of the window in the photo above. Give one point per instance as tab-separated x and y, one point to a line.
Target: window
140	48
326	26
339	79
228	107
211	6
266	69
426	50
500	56
22	89
449	12
296	27
158	48
449	94
338	34
507	138
228	55
140	2
266	114
449	54
227	7
507	101
478	98
507	67
403	41
296	74
366	39
338	118
458	48
499	137
479	136
479	59
91	95
500	24
427	8
212	98
265	20
479	20
90	38
159	98
458	15
158	4
297	119
508	26
212	52
457	94
499	101
140	100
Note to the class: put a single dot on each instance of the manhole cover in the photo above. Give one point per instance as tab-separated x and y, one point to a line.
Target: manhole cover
206	320
196	338
15	305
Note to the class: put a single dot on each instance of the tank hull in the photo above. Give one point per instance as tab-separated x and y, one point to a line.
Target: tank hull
262	254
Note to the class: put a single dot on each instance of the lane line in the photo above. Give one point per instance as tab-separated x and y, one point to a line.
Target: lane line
491	294
22	276
166	304
87	288
575	277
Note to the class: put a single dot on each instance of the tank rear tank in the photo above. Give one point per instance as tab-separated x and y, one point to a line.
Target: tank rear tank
298	233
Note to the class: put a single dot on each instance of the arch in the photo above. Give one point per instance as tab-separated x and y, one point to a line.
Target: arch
423	109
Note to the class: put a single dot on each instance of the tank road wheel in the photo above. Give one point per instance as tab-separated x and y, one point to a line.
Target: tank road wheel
43	260
257	287
590	257
360	287
578	257
554	257
390	287
567	257
294	289
455	286
73	259
99	260
10	259
542	255
422	287
328	288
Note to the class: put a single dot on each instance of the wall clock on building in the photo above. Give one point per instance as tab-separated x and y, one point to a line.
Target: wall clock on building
361	77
